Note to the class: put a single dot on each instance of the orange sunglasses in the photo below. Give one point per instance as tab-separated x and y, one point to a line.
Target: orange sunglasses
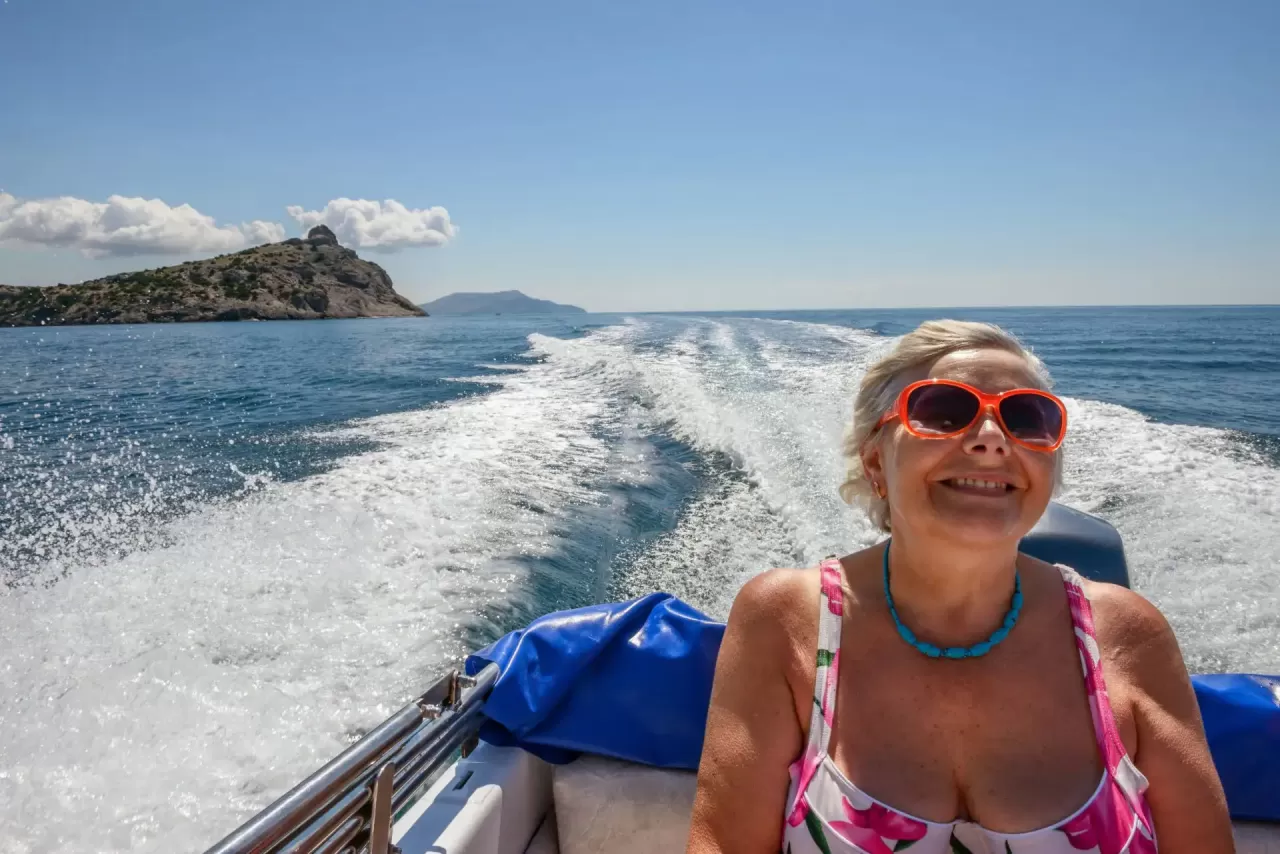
944	409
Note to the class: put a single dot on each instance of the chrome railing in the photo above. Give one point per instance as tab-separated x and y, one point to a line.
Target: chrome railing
348	806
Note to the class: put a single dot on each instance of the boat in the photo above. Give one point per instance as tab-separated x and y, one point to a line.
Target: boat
581	732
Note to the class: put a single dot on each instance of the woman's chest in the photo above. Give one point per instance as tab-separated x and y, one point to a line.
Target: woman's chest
1011	746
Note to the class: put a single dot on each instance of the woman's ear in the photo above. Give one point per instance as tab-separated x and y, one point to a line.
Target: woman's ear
873	468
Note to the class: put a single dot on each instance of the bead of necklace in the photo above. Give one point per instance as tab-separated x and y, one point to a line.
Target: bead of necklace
978	649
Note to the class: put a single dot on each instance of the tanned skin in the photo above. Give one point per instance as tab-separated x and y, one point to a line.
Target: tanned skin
1005	740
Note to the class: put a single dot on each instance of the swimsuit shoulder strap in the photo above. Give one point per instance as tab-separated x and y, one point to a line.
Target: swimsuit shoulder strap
1104	721
1121	768
830	620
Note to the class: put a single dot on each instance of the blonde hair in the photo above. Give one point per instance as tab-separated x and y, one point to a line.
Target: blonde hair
914	352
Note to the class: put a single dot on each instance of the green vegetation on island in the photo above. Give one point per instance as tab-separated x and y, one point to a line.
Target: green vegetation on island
294	280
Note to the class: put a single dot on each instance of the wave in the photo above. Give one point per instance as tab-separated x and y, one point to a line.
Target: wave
1198	510
158	699
1197	506
162	695
1140	361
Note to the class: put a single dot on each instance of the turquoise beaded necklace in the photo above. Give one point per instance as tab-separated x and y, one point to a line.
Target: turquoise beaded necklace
975	651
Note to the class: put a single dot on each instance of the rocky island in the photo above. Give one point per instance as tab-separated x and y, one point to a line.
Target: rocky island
497	302
294	280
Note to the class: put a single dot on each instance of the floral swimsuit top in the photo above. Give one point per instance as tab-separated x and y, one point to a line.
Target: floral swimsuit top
827	814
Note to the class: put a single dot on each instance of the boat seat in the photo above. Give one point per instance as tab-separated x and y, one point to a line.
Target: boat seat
607	805
620	807
547	838
1085	543
1256	837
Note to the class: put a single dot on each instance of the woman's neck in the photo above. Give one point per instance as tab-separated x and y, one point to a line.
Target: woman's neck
951	595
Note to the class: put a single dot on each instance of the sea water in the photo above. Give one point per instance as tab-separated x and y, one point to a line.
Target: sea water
227	550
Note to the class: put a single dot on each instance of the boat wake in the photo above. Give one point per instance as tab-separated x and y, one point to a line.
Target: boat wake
158	698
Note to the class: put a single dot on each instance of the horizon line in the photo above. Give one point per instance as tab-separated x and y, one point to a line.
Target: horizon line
956	307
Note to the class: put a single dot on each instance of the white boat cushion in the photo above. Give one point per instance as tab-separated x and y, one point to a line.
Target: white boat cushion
1257	838
619	807
547	839
607	805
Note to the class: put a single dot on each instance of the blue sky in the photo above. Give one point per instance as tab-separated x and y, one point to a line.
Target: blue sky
676	155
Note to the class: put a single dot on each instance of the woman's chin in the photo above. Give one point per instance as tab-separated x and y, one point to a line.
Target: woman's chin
981	519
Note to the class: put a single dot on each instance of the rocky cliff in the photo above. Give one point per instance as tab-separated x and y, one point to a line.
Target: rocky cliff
294	280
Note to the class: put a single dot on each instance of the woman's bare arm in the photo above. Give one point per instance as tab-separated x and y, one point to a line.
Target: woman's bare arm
1185	794
752	729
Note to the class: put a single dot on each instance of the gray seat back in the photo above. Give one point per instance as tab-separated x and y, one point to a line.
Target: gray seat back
1085	543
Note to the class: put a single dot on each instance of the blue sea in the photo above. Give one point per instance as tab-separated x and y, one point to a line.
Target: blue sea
226	549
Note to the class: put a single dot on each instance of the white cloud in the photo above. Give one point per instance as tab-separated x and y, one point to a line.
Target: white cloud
387	225
134	226
124	226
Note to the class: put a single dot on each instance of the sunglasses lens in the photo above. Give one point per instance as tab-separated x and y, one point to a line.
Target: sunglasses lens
940	409
1032	418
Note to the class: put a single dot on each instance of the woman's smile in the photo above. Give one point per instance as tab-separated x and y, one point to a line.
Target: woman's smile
990	486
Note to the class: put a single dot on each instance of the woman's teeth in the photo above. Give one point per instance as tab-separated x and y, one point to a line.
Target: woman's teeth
974	483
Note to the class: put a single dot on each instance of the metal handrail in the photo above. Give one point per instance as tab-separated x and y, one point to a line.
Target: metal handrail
349	803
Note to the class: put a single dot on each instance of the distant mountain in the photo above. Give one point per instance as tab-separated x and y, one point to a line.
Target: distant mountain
294	280
498	302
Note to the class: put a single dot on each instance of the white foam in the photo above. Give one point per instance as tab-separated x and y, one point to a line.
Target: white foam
1200	516
154	702
775	409
1198	513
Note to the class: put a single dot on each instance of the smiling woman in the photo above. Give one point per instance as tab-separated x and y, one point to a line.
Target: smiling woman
1001	703
883	381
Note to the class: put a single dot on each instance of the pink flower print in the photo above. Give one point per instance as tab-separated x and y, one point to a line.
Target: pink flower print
831	589
1090	655
869	828
1143	841
1080	832
886	822
1108	825
801	772
829	691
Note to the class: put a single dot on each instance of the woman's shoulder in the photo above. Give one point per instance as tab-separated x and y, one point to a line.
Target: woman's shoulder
776	616
1120	615
1125	615
778	598
1131	631
785	604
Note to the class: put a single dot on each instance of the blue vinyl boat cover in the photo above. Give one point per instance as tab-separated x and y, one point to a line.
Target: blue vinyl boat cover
632	680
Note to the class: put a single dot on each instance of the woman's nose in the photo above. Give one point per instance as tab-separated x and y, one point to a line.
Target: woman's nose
986	435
